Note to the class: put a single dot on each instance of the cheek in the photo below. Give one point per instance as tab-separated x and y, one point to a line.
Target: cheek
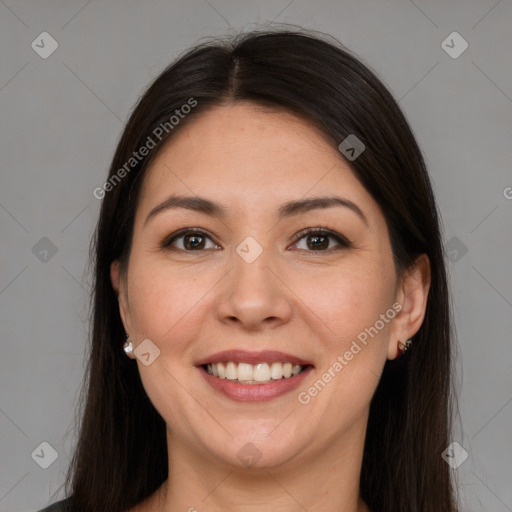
356	305
165	301
347	299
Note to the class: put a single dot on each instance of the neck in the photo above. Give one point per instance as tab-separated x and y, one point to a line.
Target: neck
328	482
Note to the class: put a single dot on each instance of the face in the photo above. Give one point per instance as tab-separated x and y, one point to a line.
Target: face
246	286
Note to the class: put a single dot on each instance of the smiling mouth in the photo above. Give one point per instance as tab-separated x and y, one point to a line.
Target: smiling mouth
260	373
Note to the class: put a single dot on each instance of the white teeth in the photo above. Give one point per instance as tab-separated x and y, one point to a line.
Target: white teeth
276	371
261	372
245	371
253	373
221	370
231	371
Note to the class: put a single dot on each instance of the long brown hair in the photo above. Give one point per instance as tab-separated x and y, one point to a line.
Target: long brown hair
121	454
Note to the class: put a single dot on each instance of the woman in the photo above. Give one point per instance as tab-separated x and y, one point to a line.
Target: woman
269	257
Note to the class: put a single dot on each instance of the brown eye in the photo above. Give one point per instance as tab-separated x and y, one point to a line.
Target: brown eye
189	241
319	240
194	241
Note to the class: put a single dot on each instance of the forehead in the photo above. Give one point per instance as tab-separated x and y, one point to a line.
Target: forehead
251	158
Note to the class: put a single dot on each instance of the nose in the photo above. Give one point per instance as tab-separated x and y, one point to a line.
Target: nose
253	296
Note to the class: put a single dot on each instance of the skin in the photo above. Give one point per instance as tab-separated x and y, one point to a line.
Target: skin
293	298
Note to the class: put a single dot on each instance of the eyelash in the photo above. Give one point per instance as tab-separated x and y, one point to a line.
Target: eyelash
343	242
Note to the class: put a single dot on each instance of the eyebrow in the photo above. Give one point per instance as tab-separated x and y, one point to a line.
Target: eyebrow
286	210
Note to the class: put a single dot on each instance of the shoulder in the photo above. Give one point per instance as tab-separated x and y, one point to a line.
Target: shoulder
59	506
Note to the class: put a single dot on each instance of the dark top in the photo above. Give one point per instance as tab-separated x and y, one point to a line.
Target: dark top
59	506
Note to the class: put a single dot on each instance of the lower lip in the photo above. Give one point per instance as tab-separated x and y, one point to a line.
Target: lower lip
255	392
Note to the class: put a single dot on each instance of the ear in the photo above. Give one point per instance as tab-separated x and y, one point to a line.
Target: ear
412	294
118	281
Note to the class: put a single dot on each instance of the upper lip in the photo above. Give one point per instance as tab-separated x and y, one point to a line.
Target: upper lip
242	356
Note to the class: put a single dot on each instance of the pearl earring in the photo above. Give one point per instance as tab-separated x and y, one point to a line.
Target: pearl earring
128	347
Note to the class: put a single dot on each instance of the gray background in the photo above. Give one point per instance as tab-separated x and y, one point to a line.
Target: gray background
61	118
